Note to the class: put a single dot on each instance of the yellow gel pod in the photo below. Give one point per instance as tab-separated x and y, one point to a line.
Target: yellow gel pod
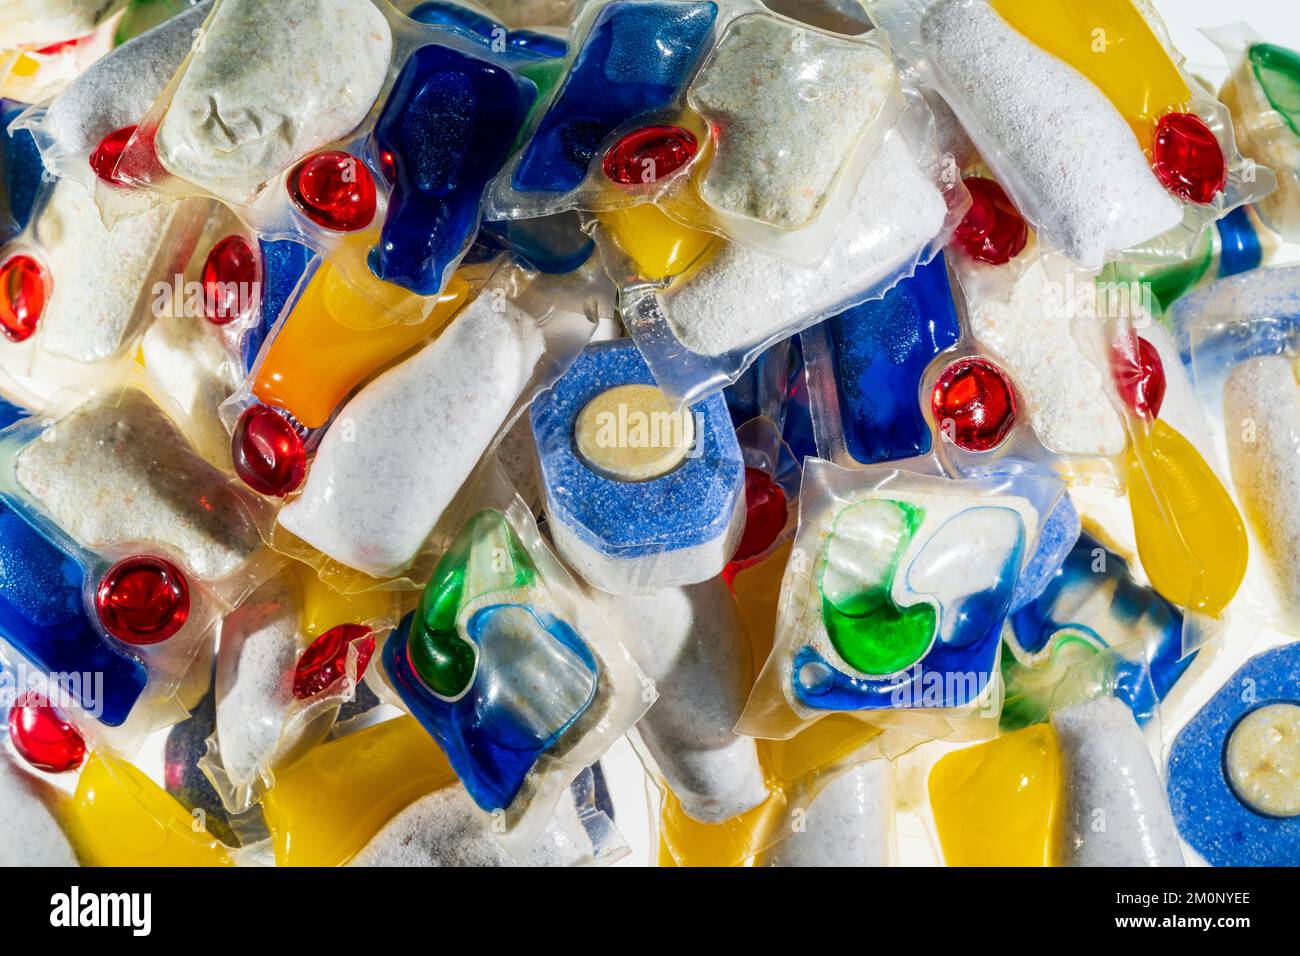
734	842
1110	43
119	817
336	336
1190	536
324	608
993	802
660	247
325	808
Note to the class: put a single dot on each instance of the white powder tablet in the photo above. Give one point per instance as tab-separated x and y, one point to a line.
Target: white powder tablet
1079	169
400	449
743	296
270	83
1114	810
31	835
116	473
849	823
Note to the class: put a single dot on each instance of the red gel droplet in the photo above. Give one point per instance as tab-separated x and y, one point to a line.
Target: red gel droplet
1139	375
325	660
1187	158
765	514
993	230
974	404
334	189
104	157
229	280
143	600
388	165
42	737
22	297
268	452
649	154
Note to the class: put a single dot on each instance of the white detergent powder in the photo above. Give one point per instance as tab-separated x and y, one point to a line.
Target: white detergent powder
1077	166
98	276
1261	419
270	83
1064	391
112	474
691	643
849	823
743	296
370	501
117	90
188	360
790	105
40	23
30	834
259	648
1108	776
446	829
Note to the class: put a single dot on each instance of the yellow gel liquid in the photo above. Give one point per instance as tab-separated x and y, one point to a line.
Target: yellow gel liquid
119	817
1190	536
739	841
336	336
325	808
660	247
993	803
324	608
1111	44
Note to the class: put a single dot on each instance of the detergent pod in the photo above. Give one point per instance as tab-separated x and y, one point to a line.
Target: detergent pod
894	599
1154	160
451	400
500	615
44	45
76	297
702	310
291	654
1232	769
84	130
386	795
730	118
850	822
21	173
1241	338
1260	93
772	476
639	496
47	22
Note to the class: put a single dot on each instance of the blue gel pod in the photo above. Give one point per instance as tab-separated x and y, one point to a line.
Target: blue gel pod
186	744
495	731
797	429
10	413
448	125
44	617
526	42
21	172
1056	539
1092	599
1239	246
1222	825
880	351
636	57
553	245
283	263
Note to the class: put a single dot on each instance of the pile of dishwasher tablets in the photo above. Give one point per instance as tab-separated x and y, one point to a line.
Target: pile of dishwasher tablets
885	415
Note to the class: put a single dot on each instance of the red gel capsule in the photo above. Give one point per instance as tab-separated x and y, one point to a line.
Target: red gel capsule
334	189
324	662
992	230
22	297
974	404
1187	158
1139	375
143	600
43	737
649	154
765	514
104	157
268	452
229	280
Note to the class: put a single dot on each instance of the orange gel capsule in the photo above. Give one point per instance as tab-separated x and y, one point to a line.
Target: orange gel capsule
337	336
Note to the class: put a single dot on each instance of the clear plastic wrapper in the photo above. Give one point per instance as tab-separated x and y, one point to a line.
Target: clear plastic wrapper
1153	161
869	540
704	312
500	618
